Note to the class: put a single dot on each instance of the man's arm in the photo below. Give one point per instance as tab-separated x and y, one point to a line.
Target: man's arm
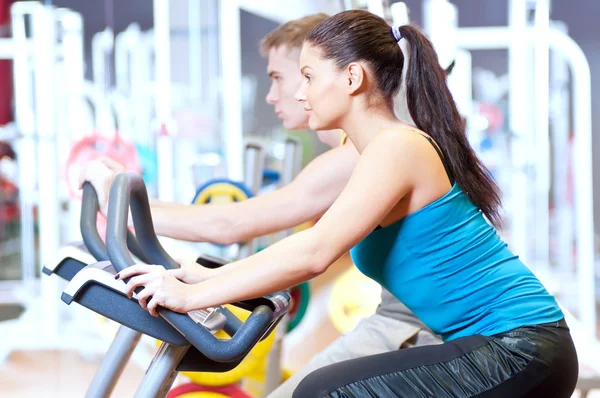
304	199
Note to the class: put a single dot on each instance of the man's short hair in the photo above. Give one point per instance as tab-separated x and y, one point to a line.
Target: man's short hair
291	34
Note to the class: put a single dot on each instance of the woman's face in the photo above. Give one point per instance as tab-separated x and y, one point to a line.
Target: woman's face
323	91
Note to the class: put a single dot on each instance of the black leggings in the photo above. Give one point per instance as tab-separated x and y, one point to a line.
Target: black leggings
531	361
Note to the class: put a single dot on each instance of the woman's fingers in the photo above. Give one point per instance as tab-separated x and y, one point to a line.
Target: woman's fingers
143	296
154	303
139	281
135	270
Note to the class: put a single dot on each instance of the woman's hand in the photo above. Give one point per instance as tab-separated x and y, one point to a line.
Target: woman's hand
100	172
161	288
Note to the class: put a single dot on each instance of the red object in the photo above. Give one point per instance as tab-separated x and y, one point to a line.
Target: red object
7	151
232	390
296	294
163	131
5	11
93	146
9	208
493	113
6	90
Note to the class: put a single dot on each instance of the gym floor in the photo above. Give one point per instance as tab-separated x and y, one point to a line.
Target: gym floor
54	374
57	374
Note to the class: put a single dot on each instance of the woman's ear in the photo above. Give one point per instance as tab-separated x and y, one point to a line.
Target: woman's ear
355	77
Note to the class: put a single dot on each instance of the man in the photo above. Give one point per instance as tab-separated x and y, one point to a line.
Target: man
393	326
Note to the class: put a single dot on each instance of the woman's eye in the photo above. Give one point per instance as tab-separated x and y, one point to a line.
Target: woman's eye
307	78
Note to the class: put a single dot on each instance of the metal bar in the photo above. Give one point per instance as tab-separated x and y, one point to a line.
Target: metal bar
541	137
560	112
195	49
164	149
161	374
519	128
26	147
114	362
231	72
44	38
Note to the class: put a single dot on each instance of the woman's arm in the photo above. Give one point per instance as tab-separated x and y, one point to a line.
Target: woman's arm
379	181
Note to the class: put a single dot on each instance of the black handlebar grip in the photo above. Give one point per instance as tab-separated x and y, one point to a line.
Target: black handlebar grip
218	350
130	187
136	249
89	231
87	223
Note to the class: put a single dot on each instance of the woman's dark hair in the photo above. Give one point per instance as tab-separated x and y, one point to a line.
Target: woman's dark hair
358	35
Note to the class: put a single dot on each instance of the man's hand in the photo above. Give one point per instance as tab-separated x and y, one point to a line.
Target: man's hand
191	272
100	172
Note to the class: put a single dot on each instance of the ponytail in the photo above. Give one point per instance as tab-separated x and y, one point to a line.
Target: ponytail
433	110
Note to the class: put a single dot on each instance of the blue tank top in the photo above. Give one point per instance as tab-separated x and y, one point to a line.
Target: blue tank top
452	270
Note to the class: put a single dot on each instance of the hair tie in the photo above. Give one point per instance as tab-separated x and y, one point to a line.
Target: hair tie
396	33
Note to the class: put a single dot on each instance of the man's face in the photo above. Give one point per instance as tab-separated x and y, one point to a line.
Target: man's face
285	79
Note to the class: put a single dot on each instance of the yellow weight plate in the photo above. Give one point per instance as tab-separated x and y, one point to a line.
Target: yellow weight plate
220	193
255	358
353	297
286	374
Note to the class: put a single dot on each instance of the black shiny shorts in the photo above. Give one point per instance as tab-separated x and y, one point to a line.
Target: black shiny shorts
530	361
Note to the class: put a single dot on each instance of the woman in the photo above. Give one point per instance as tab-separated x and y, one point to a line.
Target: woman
414	214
